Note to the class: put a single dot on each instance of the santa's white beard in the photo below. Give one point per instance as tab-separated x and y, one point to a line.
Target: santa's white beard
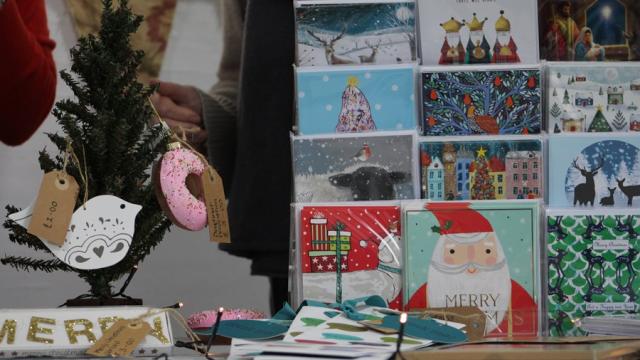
504	38
453	39
486	289
476	37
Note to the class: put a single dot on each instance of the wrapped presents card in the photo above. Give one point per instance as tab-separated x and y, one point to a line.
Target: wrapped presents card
478	253
337	32
592	265
479	168
594	170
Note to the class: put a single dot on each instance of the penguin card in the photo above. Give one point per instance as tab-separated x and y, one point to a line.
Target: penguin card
478	32
594	170
592	97
347	251
592	266
589	30
344	167
355	99
478	168
339	32
485	100
479	253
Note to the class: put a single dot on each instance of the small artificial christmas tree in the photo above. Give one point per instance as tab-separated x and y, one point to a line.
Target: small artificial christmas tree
482	188
619	122
107	127
599	123
555	110
565	99
355	115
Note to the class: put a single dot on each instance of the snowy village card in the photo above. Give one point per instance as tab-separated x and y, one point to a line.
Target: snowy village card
594	170
478	32
589	30
355	99
477	168
380	166
594	97
592	266
350	251
334	32
484	100
477	253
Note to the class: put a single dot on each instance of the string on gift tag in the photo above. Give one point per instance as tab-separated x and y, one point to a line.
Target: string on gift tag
82	170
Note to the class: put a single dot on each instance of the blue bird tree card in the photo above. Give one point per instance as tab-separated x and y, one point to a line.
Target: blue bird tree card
489	100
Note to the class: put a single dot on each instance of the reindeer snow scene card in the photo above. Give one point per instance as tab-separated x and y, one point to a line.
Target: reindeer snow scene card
596	97
379	166
481	101
481	169
594	170
478	32
355	99
349	252
593	266
478	253
355	32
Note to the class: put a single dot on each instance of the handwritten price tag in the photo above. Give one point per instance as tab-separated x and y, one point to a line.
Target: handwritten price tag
121	338
214	199
54	207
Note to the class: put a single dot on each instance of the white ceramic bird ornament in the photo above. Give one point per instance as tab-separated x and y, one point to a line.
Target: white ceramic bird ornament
99	235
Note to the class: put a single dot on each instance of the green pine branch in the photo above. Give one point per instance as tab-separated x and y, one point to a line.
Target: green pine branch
28	264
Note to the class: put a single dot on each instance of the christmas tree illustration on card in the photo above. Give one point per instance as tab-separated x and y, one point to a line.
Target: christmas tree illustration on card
355	115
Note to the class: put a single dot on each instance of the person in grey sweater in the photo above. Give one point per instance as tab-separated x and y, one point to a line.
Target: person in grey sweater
243	122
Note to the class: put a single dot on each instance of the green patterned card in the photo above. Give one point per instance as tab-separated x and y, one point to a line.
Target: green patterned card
592	266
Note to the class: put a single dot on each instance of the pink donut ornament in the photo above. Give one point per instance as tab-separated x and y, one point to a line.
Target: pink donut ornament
206	319
171	174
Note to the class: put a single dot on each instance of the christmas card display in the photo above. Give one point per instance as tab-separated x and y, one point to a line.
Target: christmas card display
483	100
594	170
380	166
355	32
477	168
594	97
592	266
589	30
365	240
478	32
478	253
355	99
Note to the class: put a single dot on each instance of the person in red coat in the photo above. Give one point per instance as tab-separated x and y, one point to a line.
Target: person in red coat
27	69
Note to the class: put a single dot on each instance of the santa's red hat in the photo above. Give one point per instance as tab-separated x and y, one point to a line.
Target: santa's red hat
457	221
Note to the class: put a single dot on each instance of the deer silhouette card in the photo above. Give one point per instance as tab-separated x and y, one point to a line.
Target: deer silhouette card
346	167
593	97
487	100
592	266
331	32
478	32
479	253
594	170
478	168
349	251
355	99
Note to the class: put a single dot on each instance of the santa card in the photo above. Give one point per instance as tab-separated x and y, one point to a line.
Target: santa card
355	99
594	170
593	97
479	253
338	32
345	167
479	168
348	251
589	30
592	265
478	32
485	100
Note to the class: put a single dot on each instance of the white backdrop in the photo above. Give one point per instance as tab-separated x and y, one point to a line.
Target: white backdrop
186	266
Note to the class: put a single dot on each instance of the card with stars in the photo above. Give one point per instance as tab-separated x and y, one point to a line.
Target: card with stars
349	250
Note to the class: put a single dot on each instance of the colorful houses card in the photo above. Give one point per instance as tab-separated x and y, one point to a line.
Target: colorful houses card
477	168
589	30
593	97
349	251
484	100
477	253
594	170
355	99
380	166
331	32
478	32
592	266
